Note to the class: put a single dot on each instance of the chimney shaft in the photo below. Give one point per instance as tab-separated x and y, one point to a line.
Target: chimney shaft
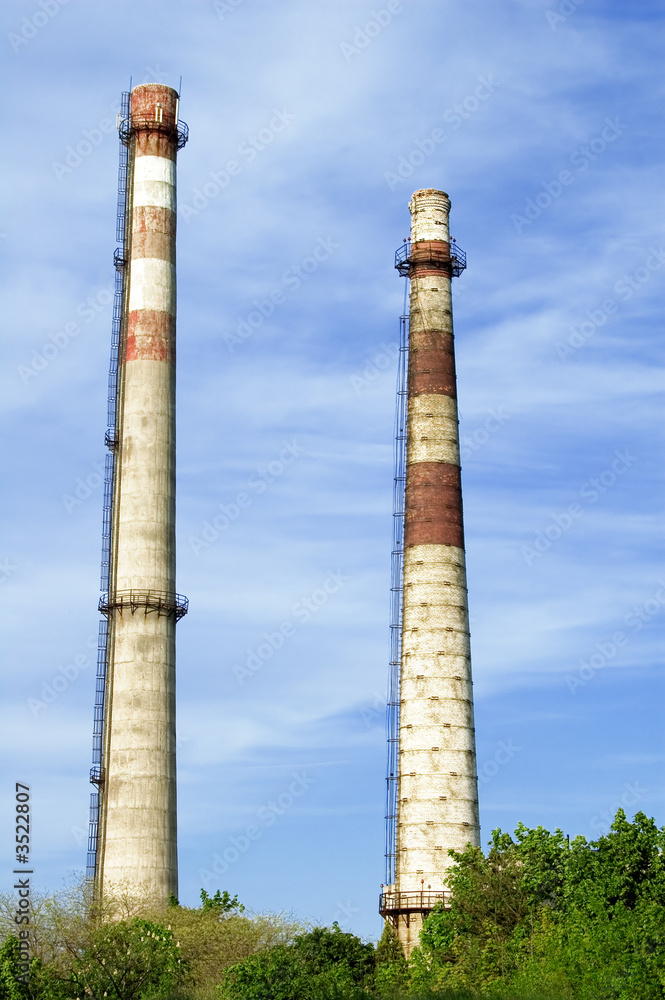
437	787
137	835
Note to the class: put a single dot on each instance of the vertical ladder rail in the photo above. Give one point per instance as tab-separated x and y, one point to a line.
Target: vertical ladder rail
396	587
96	776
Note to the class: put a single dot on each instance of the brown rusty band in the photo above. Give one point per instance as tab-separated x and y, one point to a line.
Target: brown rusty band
145	111
150	336
153	232
432	363
433	505
429	257
149	143
146	97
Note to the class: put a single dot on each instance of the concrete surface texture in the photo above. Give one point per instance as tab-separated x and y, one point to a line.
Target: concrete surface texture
137	846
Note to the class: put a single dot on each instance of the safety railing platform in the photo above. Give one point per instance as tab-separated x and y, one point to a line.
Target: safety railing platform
436	253
157	601
404	904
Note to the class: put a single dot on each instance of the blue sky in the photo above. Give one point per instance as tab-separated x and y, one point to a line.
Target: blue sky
542	121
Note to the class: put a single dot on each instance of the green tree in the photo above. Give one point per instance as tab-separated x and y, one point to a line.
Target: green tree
392	968
322	964
220	903
11	987
128	961
581	919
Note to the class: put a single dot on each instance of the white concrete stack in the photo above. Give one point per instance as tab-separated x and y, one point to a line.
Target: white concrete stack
137	847
437	789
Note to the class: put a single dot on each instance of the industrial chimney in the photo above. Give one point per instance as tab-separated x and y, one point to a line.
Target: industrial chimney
432	782
133	814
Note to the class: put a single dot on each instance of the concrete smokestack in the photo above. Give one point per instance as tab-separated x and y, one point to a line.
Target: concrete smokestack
137	820
437	785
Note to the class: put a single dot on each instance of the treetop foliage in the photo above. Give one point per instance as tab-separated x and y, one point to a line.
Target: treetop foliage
537	917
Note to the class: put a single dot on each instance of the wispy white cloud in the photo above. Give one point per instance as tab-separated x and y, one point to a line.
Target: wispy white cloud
528	288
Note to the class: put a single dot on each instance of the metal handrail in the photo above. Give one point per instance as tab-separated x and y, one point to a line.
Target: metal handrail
128	127
457	258
411	902
160	601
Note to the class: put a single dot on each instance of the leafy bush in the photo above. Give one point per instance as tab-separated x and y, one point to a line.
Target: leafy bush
319	965
539	916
